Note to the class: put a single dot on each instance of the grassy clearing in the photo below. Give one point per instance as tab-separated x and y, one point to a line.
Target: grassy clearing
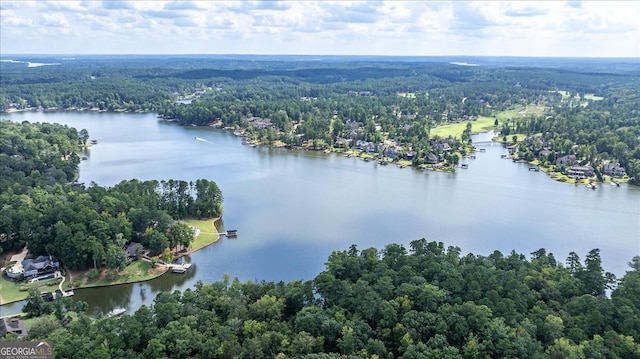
135	272
520	112
140	271
13	292
587	96
592	97
482	124
208	232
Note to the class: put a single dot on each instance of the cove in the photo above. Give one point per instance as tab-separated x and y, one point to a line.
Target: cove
293	208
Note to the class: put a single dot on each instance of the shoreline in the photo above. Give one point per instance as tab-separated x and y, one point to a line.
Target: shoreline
553	175
165	267
69	276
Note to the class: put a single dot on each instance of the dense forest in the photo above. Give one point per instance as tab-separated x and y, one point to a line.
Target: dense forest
42	207
385	108
427	302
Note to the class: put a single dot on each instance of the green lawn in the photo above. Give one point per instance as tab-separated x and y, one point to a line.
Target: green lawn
208	232
482	124
12	292
137	271
592	97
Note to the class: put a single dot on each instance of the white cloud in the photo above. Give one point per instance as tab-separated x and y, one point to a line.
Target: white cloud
523	28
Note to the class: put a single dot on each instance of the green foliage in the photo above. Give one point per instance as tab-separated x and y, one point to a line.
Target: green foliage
87	227
389	303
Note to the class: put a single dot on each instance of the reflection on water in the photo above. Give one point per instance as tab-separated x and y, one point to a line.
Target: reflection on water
292	208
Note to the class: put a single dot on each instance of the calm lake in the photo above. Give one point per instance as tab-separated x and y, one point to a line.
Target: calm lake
293	208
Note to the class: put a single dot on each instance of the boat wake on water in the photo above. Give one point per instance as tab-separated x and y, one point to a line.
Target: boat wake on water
203	140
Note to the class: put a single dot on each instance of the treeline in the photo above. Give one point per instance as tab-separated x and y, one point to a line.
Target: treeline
425	302
337	102
41	208
595	131
33	156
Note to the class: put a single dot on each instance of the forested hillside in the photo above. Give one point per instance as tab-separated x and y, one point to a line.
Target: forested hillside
41	207
427	302
385	108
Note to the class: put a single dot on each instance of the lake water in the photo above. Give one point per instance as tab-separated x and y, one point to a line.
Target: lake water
293	208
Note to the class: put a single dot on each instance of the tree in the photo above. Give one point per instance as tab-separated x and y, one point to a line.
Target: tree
83	136
208	203
181	234
155	240
116	257
592	277
36	306
81	306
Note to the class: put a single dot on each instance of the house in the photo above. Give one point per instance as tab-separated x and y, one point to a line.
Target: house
40	266
365	146
614	169
342	142
260	123
391	152
442	146
579	171
12	326
544	153
409	155
566	160
433	159
134	249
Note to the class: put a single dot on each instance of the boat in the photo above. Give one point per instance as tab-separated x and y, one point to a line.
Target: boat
179	270
464	165
614	183
94	142
116	312
591	185
232	233
384	163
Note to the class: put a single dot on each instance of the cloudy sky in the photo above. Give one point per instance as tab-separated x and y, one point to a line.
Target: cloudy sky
518	28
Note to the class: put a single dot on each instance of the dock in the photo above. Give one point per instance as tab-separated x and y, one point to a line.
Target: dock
179	268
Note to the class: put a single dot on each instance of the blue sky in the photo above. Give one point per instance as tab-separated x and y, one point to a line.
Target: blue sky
425	28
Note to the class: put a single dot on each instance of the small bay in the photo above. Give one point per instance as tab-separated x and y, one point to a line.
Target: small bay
293	208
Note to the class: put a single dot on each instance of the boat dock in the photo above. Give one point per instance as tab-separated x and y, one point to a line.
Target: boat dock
229	233
179	268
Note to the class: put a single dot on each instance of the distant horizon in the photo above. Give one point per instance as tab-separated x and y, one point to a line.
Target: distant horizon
2	55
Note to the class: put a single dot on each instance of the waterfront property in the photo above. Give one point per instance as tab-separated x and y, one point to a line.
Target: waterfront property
40	266
614	169
134	251
12	326
579	171
295	207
